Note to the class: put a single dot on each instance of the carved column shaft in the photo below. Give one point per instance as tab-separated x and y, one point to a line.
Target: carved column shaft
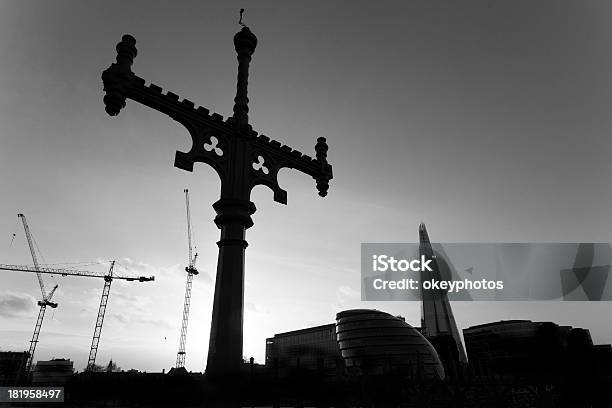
225	345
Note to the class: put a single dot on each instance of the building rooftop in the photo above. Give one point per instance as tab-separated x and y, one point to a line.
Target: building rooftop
499	323
302	331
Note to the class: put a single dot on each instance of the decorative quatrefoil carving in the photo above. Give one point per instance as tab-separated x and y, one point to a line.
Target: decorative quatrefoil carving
259	165
213	145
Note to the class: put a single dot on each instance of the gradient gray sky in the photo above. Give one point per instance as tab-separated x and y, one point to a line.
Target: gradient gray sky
487	120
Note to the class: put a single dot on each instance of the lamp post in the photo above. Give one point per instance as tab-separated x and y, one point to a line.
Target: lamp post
242	158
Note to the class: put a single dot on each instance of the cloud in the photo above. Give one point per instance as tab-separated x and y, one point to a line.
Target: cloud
256	308
132	304
157	323
16	304
127	320
121	318
347	291
136	267
345	296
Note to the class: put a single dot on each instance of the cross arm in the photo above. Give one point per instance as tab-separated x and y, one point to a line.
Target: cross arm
270	156
121	83
264	157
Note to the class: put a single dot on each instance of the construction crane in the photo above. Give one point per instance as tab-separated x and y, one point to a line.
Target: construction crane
46	297
93	351
191	271
108	278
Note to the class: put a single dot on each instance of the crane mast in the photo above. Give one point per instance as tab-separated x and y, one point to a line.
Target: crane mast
191	271
43	303
100	319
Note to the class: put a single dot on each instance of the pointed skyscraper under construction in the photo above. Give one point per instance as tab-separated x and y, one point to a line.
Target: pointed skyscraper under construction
437	320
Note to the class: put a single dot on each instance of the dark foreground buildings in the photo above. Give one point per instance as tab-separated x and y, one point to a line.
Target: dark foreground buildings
371	358
12	364
376	343
53	372
313	349
515	363
540	354
363	342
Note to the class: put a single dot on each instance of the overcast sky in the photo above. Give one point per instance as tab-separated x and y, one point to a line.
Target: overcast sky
489	121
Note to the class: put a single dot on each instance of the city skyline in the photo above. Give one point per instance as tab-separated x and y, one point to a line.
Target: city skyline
487	121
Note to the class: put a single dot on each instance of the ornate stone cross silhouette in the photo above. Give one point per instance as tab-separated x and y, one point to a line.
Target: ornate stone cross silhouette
241	158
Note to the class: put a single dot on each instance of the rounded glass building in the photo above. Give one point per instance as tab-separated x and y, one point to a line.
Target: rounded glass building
372	342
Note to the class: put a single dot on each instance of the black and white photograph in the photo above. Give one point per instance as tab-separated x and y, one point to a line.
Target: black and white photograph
348	204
